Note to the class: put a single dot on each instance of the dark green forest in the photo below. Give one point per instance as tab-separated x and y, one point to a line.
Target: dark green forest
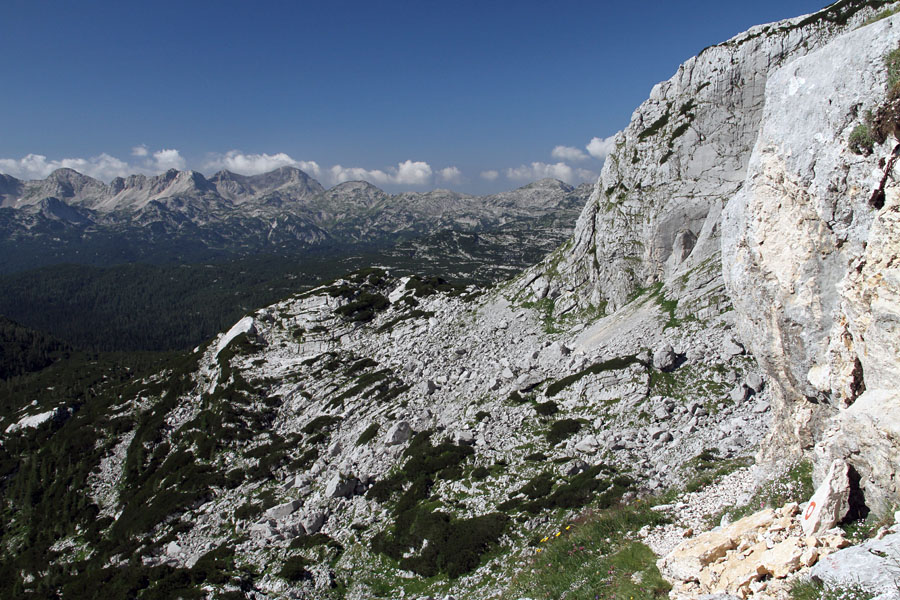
23	350
136	307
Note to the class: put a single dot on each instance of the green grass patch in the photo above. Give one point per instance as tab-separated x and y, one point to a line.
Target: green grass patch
709	467
816	590
592	558
795	485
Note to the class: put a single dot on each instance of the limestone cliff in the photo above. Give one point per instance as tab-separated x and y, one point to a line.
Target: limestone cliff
810	248
743	159
654	214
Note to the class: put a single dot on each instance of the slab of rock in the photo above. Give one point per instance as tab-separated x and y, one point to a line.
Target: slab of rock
731	348
464	438
588	445
755	382
739	393
553	354
283	510
313	522
831	501
690	557
874	565
340	486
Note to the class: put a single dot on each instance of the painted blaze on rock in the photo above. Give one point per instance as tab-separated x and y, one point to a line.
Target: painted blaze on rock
831	501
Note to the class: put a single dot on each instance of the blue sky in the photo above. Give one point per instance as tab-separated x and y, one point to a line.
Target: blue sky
410	95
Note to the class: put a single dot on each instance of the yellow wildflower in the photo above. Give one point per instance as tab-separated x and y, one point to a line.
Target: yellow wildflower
568	527
558	533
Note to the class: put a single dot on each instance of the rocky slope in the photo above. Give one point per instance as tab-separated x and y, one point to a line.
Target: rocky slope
336	416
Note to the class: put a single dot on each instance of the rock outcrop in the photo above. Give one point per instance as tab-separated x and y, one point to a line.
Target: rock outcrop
655	212
747	556
810	262
736	182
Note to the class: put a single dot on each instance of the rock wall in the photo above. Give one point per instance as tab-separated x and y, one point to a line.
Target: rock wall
810	257
654	214
742	159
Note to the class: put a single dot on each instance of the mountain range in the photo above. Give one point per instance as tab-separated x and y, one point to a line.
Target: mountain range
283	211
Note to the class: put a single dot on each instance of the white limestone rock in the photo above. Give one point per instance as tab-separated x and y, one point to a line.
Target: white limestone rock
830	502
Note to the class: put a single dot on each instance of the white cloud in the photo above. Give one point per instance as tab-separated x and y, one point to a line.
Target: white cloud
490	175
413	173
166	159
341	174
540	170
450	175
568	153
406	173
254	164
36	166
139	150
601	147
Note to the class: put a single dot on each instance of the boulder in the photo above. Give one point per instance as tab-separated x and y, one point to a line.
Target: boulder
588	445
755	382
265	529
730	348
528	381
874	564
831	501
398	433
464	438
553	354
664	358
313	522
739	393
340	486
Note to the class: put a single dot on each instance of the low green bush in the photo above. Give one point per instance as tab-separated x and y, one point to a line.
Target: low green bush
861	140
368	435
546	409
295	569
480	472
562	429
807	589
609	365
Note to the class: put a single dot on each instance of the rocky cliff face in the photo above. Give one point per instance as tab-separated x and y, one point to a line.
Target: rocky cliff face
759	126
655	211
810	249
